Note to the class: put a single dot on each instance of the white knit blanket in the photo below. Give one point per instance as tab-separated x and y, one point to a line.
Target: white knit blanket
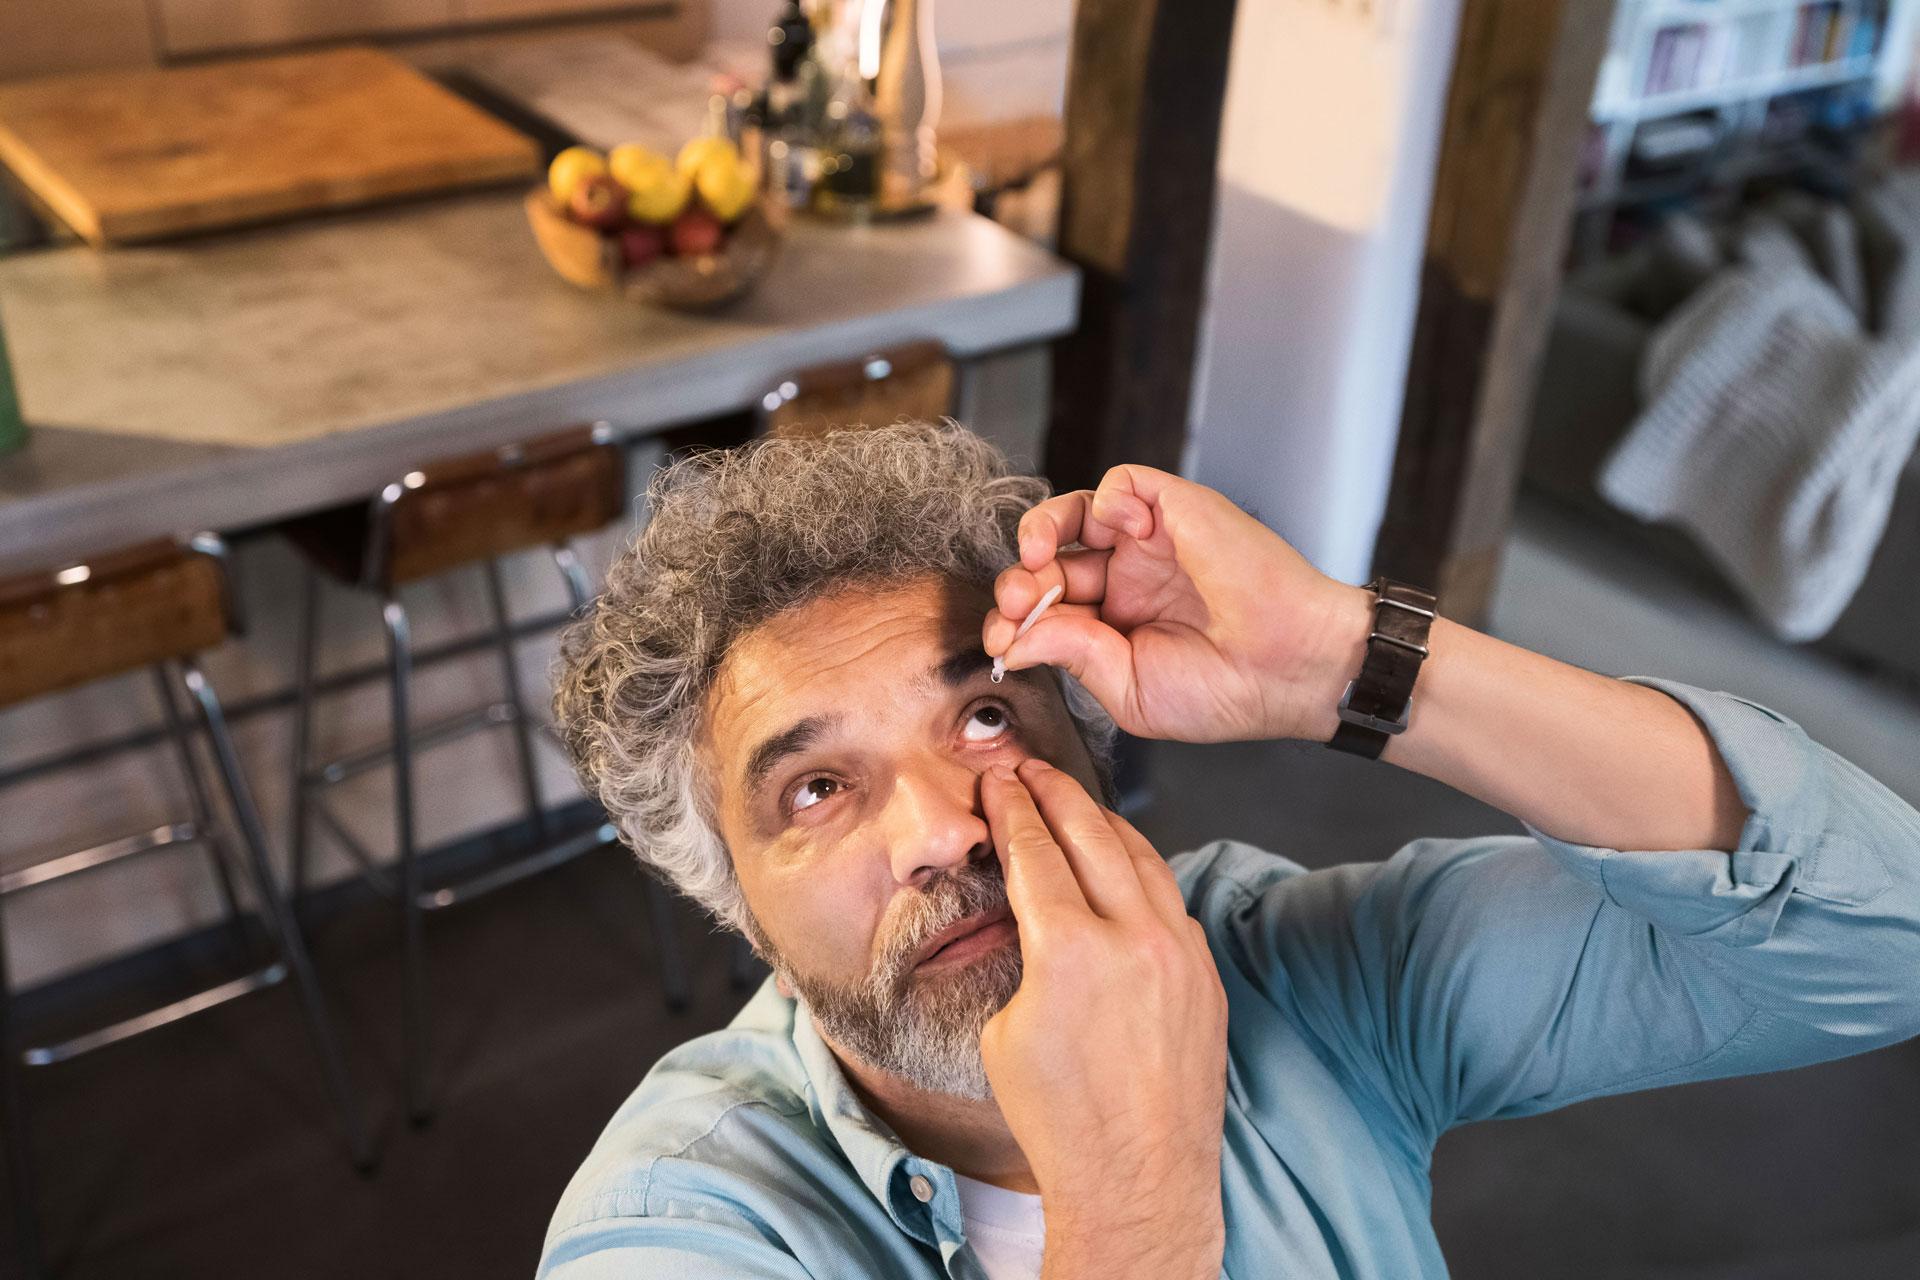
1774	433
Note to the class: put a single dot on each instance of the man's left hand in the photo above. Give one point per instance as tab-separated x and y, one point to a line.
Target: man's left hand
1185	616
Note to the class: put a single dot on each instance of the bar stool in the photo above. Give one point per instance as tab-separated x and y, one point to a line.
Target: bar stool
451	514
155	606
914	380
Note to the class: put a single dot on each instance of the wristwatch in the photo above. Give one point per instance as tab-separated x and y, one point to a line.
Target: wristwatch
1379	699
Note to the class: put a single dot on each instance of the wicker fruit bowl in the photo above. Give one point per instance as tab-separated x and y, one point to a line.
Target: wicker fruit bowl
688	281
693	232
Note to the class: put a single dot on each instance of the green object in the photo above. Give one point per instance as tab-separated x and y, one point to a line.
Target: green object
13	427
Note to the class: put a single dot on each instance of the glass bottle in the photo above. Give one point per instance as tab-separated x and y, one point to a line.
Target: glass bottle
901	65
850	155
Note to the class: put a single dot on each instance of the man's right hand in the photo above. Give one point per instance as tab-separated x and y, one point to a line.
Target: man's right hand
1109	1063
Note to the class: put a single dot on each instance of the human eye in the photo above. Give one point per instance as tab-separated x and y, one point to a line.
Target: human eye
811	792
987	722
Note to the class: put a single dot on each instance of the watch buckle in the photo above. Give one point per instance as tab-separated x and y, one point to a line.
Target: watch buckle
1379	724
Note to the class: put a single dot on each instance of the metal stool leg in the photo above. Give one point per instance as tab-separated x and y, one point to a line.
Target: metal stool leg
413	993
675	980
579	590
743	967
279	919
203	820
15	1133
302	733
666	939
522	737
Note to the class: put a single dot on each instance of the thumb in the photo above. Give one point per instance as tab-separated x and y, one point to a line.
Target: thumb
1091	651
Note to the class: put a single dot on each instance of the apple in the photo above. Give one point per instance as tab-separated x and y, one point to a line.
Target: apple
572	167
694	232
598	201
640	245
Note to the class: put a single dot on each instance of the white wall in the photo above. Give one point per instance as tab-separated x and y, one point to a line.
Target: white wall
1326	172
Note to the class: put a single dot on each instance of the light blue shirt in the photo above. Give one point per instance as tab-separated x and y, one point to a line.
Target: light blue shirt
1371	1008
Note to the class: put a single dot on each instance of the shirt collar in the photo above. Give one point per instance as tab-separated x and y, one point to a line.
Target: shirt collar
878	1157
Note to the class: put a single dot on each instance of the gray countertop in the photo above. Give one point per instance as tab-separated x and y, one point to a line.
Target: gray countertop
230	380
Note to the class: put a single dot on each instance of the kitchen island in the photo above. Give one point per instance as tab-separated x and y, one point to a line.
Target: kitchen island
228	381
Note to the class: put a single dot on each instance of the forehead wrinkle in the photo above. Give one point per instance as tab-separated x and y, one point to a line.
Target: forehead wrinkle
762	668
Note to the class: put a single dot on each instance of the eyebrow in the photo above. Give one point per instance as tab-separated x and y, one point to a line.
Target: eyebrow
969	663
790	741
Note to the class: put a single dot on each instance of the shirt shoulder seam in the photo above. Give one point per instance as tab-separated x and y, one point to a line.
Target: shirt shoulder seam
646	1191
619	1202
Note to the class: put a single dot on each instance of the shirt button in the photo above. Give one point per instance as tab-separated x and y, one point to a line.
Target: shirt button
922	1189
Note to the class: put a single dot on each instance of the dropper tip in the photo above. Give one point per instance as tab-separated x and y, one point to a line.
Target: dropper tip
999	670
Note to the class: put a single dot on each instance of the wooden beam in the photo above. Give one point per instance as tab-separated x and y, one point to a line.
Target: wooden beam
1516	120
1144	93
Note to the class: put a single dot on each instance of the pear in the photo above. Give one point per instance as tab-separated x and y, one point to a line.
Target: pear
633	165
726	185
657	195
697	152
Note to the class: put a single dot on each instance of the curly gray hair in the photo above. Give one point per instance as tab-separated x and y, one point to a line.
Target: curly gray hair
736	537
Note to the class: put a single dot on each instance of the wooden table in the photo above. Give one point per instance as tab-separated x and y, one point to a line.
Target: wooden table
232	380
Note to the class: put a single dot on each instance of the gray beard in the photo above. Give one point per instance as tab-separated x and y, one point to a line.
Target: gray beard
924	1029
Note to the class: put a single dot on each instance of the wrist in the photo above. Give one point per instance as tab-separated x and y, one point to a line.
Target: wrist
1346	621
1170	1242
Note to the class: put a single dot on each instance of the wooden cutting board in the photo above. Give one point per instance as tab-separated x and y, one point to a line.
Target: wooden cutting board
139	155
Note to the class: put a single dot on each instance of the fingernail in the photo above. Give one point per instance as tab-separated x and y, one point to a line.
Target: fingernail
1033	764
1001	772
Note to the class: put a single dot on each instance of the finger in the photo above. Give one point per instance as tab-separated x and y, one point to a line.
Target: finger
1039	880
1065	518
1156	877
1082	573
1131	483
1093	849
1087	649
997	632
1117	506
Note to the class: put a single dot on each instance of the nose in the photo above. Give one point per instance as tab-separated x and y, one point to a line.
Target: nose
933	819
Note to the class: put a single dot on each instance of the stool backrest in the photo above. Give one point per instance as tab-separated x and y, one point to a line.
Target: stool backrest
112	614
914	381
477	506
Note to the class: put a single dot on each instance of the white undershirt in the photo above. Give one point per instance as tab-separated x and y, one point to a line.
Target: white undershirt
1004	1227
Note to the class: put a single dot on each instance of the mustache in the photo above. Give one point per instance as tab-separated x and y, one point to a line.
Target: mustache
949	897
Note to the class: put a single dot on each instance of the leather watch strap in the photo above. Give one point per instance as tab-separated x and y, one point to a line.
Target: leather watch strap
1377	702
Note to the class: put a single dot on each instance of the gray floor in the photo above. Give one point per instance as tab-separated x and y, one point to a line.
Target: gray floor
203	1151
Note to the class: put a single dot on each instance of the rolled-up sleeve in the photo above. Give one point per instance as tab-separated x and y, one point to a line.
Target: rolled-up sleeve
1823	888
1473	979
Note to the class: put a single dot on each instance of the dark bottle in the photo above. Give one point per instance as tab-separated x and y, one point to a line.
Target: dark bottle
790	128
790	38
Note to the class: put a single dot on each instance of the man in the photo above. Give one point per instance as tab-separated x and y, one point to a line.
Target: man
1005	1038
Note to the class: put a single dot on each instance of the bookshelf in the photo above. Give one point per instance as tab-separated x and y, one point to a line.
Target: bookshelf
1697	98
